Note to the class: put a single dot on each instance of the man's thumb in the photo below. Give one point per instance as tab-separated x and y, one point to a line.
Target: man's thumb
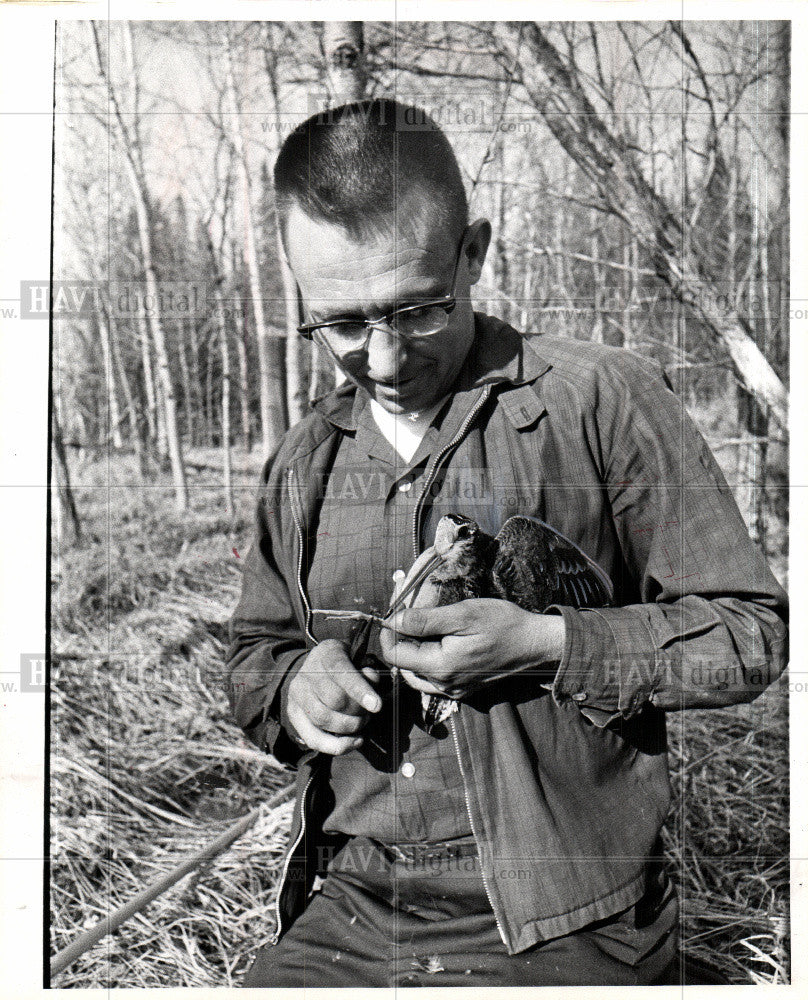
421	622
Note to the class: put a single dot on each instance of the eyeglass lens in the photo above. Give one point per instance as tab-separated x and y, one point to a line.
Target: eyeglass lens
412	323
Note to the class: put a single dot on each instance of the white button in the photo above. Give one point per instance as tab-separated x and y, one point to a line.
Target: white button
408	769
398	575
579	696
405	486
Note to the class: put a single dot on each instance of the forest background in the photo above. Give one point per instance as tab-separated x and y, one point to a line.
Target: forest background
636	175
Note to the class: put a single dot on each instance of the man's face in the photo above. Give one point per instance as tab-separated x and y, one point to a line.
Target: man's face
342	278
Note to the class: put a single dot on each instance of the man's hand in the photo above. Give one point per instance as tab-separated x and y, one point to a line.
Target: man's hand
453	649
329	699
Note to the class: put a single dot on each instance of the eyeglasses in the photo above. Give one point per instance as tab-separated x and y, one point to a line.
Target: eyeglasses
415	322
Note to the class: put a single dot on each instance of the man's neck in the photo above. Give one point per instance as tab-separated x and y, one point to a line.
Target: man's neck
404	431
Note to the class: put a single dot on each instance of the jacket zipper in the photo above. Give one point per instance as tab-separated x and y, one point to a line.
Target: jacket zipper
476	837
431	472
416	552
307	609
300	588
415	518
293	847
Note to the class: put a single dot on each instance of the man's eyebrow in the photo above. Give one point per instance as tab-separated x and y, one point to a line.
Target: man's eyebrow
329	317
438	291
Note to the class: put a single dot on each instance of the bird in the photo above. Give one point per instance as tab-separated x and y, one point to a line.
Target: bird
528	563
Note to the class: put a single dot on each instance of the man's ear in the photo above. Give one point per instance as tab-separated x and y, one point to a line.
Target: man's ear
478	239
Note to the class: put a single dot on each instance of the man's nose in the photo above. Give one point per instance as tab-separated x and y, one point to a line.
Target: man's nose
386	354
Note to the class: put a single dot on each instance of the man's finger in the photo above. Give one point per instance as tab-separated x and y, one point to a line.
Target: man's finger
371	674
420	683
358	689
451	619
331	692
348	678
329	720
317	739
423	658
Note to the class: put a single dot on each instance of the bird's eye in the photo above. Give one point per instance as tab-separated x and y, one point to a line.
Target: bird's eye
464	531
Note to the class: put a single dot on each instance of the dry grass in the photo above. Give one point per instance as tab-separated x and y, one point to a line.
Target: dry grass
727	839
146	766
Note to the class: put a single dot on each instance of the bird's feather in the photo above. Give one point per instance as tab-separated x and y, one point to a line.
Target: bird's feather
537	566
529	563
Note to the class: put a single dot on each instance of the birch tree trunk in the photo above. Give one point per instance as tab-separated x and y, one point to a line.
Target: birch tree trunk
128	394
243	364
210	416
526	310
62	474
169	407
755	425
344	45
559	258
227	473
597	278
296	396
345	79
114	434
152	420
271	381
783	118
502	271
244	395
187	388
134	170
608	161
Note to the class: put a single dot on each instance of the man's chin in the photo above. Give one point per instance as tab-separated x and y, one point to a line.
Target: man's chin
396	398
396	403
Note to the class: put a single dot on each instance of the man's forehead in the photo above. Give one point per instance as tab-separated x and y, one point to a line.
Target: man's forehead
390	241
340	276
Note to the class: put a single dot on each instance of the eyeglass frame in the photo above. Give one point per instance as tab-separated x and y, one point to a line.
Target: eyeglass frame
445	302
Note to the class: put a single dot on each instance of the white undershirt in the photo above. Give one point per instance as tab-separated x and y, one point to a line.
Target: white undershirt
404	431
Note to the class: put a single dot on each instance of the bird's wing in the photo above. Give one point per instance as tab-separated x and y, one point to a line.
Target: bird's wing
543	561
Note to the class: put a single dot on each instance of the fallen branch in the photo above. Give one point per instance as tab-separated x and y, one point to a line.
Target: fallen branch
85	941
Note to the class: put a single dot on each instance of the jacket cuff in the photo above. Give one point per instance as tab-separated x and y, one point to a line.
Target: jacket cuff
277	740
605	670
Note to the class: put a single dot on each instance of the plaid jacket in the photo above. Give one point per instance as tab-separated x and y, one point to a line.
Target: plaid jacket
565	778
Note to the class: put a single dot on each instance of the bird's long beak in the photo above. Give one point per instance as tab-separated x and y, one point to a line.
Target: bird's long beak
419	571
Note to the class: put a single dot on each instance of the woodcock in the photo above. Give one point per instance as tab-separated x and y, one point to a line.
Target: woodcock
528	563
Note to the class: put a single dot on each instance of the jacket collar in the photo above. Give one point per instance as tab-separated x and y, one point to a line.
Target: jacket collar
498	355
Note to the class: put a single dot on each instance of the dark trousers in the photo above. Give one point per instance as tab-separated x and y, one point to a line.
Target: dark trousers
382	921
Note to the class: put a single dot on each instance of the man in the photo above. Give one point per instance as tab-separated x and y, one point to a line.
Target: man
518	843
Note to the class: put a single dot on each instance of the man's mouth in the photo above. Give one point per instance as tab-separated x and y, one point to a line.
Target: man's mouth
395	385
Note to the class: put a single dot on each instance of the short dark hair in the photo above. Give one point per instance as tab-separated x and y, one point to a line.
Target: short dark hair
353	164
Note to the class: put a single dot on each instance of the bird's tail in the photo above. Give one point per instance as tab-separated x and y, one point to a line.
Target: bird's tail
437	708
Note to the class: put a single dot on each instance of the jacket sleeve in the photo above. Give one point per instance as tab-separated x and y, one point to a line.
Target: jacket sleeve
266	639
709	628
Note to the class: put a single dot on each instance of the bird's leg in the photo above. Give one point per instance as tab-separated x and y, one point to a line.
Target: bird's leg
348	616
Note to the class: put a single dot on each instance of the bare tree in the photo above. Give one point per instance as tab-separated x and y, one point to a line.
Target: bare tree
126	139
62	475
295	388
271	386
608	160
345	79
128	393
344	49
